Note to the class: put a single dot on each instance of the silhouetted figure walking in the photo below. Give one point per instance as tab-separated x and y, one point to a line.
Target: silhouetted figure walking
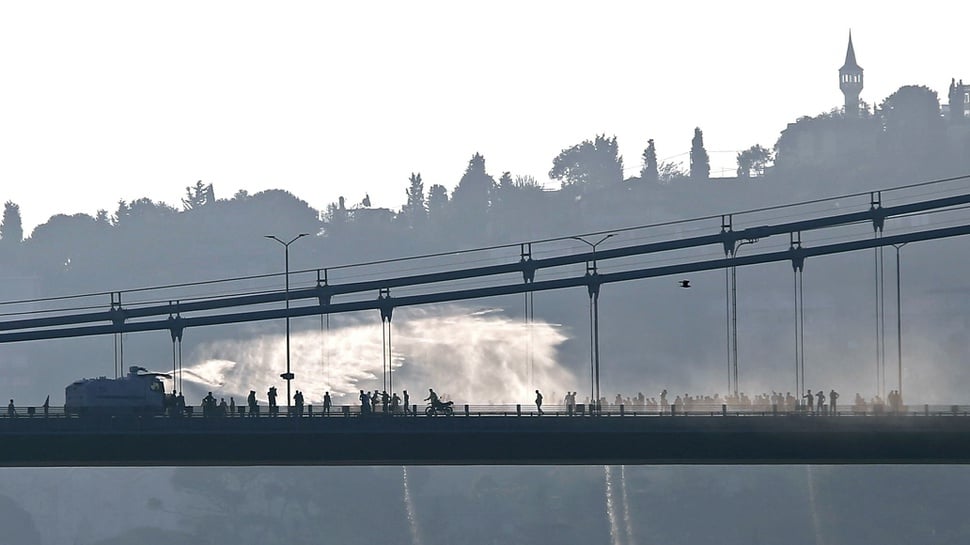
811	401
664	405
407	402
298	403
820	406
327	403
539	402
11	410
364	402
232	406
833	402
385	400
251	400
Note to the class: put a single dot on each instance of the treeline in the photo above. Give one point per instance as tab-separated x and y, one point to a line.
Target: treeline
903	139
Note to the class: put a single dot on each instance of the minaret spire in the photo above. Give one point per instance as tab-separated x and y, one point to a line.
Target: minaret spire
850	55
850	80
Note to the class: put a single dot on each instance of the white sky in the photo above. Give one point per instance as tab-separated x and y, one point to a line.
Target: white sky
101	101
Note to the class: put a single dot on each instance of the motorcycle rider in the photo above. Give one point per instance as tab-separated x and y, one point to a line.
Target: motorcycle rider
433	398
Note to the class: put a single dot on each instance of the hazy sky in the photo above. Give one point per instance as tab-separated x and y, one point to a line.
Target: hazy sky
101	101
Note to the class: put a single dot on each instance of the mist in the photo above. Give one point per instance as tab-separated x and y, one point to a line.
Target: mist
478	357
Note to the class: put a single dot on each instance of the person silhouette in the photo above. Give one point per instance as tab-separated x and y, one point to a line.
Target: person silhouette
271	394
327	403
833	397
811	400
251	401
539	402
820	406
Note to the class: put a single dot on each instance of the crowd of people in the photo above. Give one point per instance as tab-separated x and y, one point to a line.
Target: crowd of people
816	402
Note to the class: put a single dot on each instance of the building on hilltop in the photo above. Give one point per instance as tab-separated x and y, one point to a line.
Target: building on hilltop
850	80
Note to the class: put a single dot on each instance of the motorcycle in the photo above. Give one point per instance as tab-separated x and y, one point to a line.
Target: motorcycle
446	408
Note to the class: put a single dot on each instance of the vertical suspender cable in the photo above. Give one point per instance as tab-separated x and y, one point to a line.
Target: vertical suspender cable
882	314
174	365
876	281
798	384
180	365
727	324
384	351
592	376
390	360
734	327
532	318
801	321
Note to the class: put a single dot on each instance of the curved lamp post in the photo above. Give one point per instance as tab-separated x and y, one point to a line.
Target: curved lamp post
594	293
288	376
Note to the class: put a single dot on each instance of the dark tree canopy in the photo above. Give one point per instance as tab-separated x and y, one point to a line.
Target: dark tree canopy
11	227
472	197
700	163
753	161
198	196
415	210
649	172
594	163
913	127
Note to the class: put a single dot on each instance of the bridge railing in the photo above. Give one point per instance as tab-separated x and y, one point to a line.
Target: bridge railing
530	410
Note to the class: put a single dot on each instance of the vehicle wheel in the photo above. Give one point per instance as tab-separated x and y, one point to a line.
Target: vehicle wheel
449	411
429	411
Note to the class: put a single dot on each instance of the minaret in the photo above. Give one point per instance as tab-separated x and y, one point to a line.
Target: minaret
850	81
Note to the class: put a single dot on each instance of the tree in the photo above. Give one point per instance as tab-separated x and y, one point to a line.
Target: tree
437	202
700	163
415	209
198	196
754	159
335	218
649	171
11	227
471	198
913	128
594	162
671	172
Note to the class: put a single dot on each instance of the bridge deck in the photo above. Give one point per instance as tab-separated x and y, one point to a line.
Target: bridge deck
486	440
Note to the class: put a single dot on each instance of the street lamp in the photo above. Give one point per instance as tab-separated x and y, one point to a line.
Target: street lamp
594	295
288	376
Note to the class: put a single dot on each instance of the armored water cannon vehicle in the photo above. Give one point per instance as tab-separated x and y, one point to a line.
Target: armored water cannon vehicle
138	392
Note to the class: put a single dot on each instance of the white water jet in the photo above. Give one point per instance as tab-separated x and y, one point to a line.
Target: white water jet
626	507
610	508
409	506
470	357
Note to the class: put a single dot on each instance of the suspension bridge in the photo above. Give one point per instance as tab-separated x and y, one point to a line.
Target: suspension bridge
919	436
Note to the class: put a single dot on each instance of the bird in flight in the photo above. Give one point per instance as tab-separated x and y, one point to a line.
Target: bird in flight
685	283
